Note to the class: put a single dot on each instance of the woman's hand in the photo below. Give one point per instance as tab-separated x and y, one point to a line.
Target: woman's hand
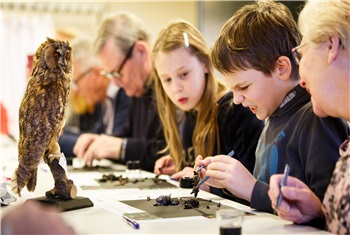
299	203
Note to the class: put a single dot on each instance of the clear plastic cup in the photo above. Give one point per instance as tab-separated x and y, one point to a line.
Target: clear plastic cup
230	221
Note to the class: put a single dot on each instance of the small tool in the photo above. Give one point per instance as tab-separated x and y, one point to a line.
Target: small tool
199	168
195	190
283	183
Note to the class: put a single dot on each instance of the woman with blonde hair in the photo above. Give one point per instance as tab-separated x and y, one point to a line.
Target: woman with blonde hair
324	62
195	107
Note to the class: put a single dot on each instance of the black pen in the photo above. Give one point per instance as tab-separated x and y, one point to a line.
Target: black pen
131	222
283	183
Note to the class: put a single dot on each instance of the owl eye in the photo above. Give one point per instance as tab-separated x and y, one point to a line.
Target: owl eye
55	55
67	56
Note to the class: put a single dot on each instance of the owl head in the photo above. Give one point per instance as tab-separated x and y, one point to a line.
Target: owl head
54	55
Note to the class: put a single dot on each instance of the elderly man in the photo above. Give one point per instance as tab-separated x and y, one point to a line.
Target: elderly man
107	106
123	47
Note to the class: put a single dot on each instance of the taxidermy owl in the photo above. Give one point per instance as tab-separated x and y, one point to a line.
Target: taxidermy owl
42	117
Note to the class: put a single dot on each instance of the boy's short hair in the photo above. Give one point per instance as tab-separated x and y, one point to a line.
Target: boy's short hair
255	37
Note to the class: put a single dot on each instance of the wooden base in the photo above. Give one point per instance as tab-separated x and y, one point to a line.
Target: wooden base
66	205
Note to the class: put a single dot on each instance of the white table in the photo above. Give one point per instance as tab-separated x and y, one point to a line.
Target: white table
105	217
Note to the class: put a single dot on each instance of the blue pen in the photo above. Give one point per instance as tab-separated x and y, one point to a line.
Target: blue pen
132	222
283	183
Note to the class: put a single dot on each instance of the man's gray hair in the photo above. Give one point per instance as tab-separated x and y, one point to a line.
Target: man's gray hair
124	27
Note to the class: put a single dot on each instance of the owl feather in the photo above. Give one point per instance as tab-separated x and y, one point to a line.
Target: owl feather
42	110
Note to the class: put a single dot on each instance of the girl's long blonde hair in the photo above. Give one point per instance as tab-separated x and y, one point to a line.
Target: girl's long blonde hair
206	135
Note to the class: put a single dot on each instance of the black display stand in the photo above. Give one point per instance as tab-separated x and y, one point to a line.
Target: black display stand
66	205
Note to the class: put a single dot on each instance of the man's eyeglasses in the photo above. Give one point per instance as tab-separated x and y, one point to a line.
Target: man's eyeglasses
296	54
117	73
80	77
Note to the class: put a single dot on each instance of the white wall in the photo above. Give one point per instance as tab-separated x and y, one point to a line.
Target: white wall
155	14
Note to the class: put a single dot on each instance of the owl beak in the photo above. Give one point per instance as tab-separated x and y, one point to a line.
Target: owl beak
62	63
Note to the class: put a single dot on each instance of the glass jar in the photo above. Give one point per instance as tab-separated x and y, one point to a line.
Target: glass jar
133	169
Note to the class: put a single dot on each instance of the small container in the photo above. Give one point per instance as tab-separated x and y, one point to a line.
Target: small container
230	221
133	169
186	182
